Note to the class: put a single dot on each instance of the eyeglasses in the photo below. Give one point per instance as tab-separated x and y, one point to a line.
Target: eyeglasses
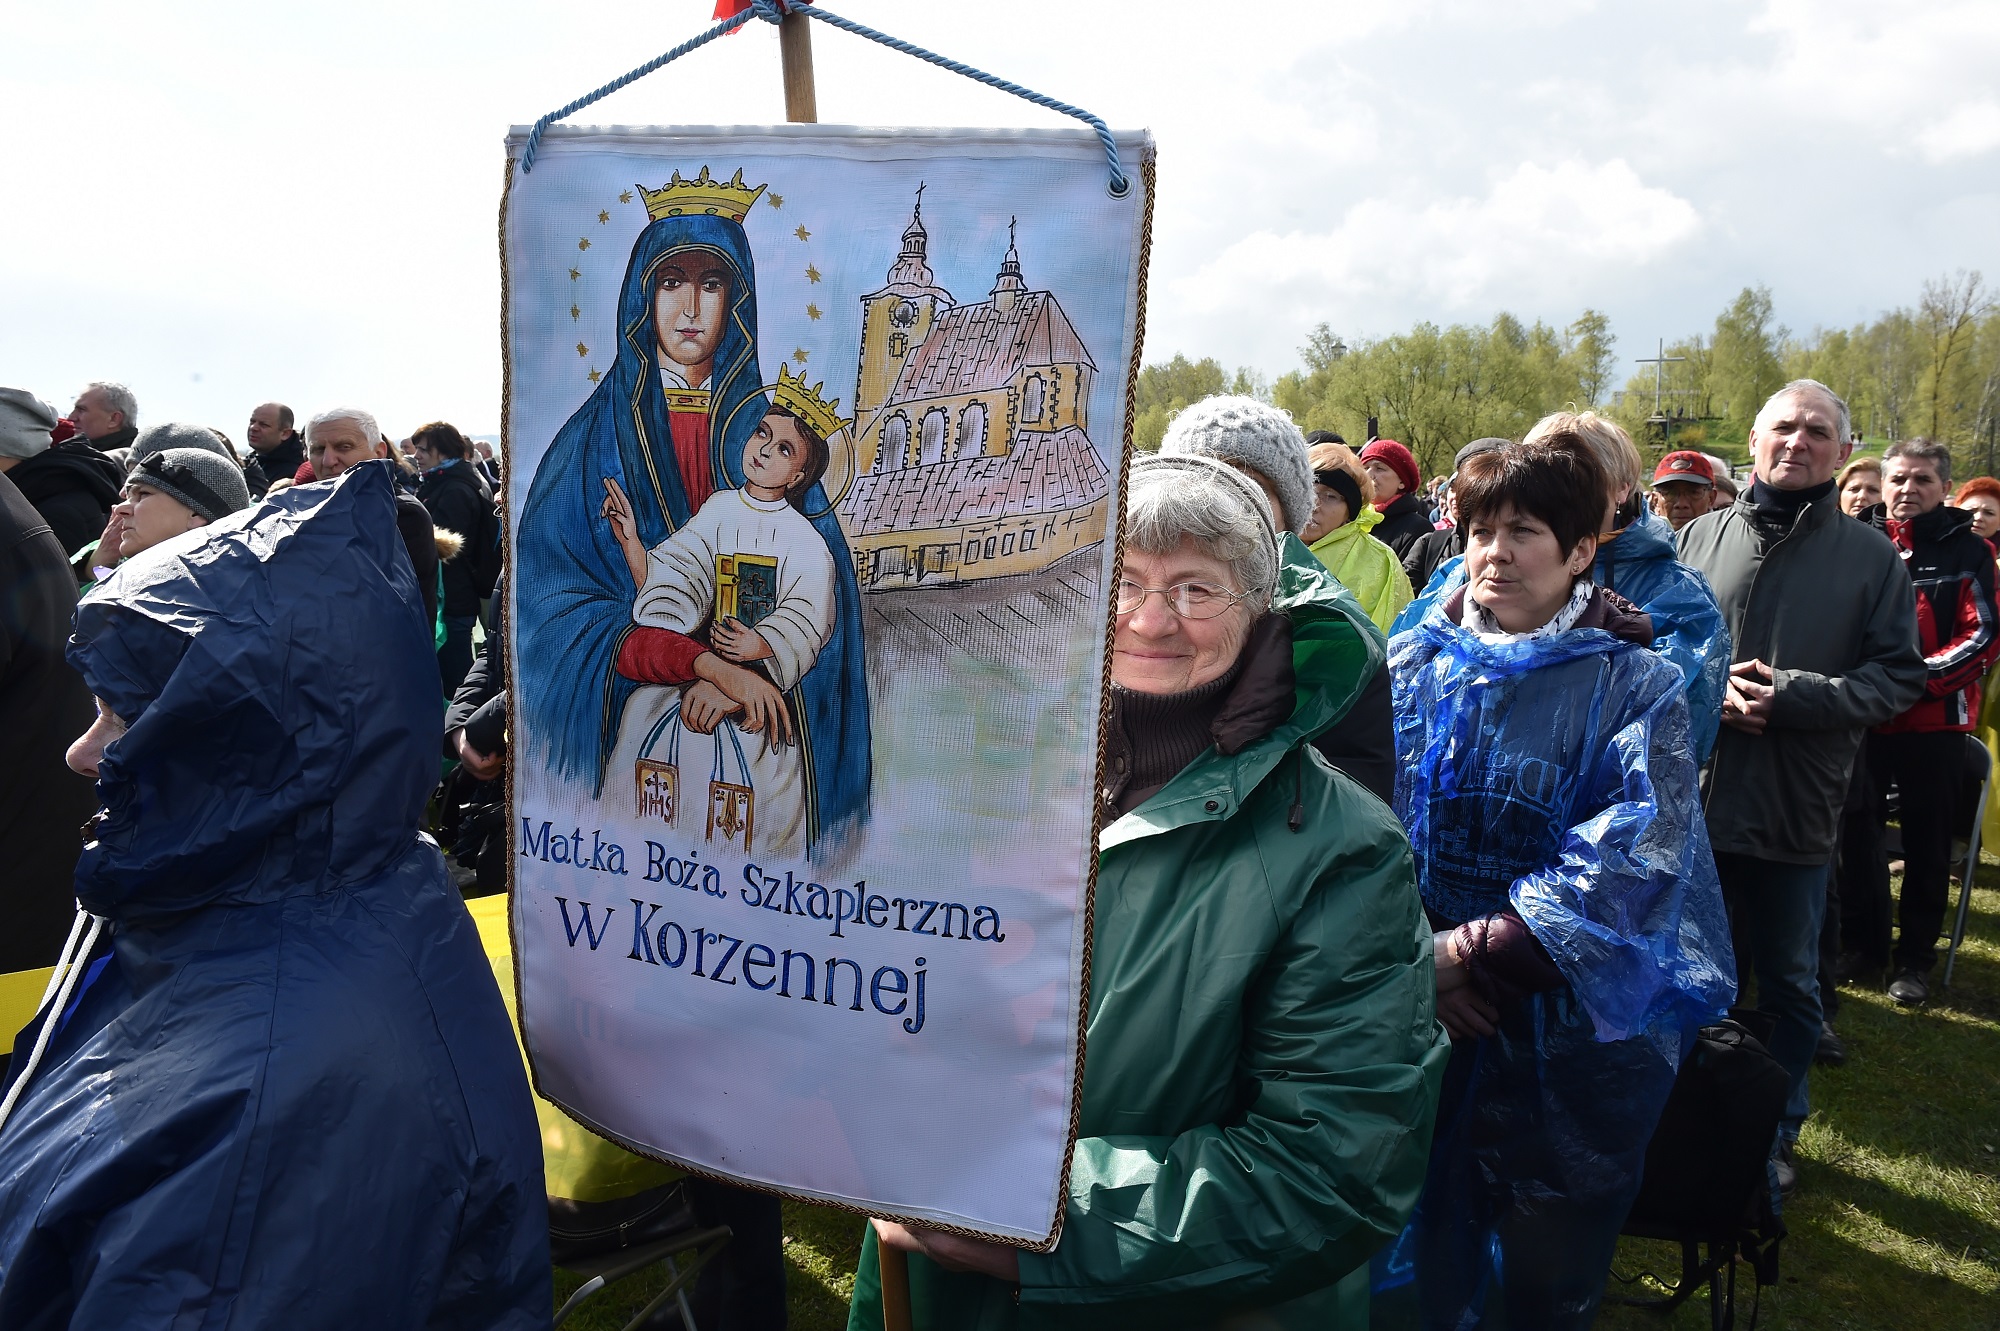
1189	600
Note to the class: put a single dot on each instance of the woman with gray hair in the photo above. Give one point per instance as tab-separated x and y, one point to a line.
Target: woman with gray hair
1263	1056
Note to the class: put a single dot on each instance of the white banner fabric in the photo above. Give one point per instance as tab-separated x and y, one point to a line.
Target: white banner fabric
814	455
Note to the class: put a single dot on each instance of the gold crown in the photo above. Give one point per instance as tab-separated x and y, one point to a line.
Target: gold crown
821	416
701	197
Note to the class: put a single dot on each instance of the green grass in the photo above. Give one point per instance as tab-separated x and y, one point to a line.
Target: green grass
1896	1223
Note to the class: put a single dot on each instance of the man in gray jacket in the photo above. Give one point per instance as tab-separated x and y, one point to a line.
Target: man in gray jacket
1823	621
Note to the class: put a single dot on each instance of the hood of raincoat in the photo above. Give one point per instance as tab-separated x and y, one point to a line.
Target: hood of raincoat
1336	650
1366	567
277	680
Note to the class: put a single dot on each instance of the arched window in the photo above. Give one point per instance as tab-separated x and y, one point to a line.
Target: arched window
972	430
895	453
931	441
1035	398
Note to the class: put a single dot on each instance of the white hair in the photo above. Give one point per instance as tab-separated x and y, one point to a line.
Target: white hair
355	414
1169	500
1799	387
117	397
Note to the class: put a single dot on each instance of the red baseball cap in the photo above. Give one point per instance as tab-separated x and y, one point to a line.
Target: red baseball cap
1685	466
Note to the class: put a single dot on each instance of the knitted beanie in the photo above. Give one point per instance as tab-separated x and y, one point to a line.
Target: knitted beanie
1244	432
25	422
174	434
202	480
1397	459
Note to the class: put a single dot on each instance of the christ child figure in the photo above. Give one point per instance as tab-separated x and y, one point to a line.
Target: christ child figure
731	612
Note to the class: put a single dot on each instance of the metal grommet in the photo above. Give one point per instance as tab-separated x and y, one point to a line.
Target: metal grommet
1212	805
1119	187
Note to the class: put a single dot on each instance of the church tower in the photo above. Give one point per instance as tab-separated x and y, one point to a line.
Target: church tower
1007	283
894	322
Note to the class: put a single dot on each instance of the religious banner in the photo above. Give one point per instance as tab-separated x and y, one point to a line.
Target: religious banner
814	457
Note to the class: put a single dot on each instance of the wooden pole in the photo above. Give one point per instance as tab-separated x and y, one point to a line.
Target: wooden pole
795	47
895	1287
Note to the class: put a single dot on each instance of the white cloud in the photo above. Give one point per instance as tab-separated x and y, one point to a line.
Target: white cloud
1563	227
1966	132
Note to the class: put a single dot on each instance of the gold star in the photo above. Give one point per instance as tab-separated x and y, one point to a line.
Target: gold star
575	312
603	217
776	200
812	273
812	311
625	197
593	376
582	350
583	243
574	274
802	233
800	355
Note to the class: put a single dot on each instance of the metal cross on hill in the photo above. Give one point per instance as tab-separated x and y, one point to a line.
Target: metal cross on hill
1659	364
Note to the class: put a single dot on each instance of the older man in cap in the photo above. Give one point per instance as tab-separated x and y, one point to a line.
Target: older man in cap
1683	487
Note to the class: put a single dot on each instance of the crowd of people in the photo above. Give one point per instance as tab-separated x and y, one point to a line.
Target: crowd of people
1477	800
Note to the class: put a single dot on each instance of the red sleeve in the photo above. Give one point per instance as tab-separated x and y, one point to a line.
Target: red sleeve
1975	638
658	656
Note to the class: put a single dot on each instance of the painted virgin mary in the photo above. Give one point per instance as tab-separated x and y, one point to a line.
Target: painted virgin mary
668	424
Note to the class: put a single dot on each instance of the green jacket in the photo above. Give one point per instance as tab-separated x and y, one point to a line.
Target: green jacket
1262	1058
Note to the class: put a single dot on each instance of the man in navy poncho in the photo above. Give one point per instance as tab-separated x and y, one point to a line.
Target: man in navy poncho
285	1093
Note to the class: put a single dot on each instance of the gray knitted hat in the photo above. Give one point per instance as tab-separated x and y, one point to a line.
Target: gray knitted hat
25	422
176	434
1245	432
203	481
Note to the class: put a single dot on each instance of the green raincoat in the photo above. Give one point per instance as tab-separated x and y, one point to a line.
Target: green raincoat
1366	567
1263	1062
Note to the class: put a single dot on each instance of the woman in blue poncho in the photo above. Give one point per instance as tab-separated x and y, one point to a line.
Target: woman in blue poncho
1547	779
667	426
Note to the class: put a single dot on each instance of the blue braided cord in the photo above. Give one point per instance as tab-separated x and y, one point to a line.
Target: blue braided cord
774	11
727	25
1119	182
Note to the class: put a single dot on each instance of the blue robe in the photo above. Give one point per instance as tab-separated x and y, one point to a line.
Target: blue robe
1555	777
287	1093
573	592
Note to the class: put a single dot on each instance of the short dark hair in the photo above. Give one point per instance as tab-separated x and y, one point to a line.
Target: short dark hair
1921	449
1557	480
1324	437
817	457
441	439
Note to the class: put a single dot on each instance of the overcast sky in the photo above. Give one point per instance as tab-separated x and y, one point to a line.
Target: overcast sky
220	203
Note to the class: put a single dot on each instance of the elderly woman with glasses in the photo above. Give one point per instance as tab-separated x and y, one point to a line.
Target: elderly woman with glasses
1263	1056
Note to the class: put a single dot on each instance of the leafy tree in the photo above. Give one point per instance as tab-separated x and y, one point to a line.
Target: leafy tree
1168	386
1746	368
1591	354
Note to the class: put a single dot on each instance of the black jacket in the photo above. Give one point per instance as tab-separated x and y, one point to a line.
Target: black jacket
479	708
264	470
1403	522
73	487
458	502
43	707
1430	552
413	522
1363	742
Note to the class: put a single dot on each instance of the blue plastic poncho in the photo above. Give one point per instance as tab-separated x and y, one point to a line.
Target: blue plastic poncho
573	593
1639	564
1555	777
288	1094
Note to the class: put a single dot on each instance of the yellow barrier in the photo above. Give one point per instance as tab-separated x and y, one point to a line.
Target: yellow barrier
580	1164
20	993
